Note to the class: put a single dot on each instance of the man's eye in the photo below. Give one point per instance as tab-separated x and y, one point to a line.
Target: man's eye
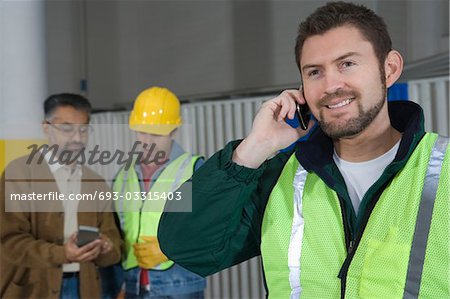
67	128
313	73
348	63
86	129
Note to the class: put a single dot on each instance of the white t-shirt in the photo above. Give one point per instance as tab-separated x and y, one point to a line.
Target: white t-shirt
68	181
360	176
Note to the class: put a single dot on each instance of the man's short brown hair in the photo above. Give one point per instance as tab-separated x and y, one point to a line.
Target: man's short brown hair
337	14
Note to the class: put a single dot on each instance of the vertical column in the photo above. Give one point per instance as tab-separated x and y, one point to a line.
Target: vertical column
23	78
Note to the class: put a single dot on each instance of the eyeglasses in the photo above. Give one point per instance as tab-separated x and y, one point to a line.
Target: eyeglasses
69	130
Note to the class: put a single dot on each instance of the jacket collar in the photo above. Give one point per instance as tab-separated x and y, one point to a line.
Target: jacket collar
316	153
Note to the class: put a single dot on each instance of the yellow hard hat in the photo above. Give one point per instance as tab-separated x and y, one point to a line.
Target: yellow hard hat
156	111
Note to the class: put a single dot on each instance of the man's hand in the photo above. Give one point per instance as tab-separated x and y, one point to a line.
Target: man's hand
86	253
270	133
106	245
148	254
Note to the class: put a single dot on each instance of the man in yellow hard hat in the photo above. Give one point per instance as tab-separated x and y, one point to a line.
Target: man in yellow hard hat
153	178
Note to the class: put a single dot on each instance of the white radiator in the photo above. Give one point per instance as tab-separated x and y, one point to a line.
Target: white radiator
434	97
214	123
217	122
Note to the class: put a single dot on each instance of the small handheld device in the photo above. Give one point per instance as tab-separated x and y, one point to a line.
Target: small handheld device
303	115
302	112
87	234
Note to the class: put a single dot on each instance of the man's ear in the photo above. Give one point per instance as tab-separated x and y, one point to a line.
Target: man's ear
393	67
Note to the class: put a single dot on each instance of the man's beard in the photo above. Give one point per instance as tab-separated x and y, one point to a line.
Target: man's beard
355	125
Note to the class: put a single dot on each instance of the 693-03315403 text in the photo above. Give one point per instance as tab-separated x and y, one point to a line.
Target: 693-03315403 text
57	196
176	195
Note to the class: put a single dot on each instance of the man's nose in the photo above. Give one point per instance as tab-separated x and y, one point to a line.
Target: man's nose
77	136
333	82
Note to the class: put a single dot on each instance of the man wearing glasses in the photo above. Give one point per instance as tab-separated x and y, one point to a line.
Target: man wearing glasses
40	256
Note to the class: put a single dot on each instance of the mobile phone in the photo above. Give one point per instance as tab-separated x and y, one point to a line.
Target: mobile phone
304	115
87	234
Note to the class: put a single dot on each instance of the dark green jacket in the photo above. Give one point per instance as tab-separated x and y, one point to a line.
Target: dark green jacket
224	227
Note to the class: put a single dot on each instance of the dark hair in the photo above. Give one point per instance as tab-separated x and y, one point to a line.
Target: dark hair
336	14
66	99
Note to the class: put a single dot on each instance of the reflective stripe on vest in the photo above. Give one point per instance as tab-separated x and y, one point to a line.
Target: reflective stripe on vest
276	225
141	217
315	252
423	222
297	230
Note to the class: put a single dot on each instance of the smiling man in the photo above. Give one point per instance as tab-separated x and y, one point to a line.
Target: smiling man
359	210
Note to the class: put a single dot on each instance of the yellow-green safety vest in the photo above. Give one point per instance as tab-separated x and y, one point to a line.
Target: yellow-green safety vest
140	217
404	251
